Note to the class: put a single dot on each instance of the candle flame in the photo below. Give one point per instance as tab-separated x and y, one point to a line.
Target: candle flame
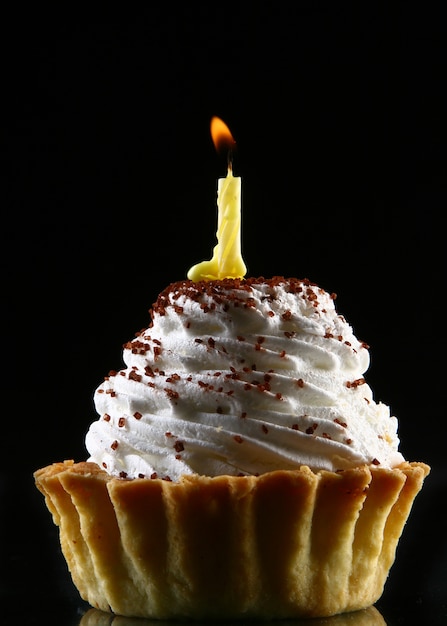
221	135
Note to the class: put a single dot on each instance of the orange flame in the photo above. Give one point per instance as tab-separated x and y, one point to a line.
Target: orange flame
221	135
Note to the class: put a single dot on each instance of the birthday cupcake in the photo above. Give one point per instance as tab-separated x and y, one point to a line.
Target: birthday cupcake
240	466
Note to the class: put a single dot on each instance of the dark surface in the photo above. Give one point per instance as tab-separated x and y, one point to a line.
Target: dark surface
108	194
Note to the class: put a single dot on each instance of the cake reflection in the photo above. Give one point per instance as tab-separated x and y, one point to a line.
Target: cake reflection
366	617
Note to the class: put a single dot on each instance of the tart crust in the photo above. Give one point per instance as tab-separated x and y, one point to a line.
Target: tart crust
284	544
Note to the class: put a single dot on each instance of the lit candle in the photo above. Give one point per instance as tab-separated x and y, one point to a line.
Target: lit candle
227	259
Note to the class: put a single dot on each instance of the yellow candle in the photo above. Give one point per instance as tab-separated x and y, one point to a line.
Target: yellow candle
227	259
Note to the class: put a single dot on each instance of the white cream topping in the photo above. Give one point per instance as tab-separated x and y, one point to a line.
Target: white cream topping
241	377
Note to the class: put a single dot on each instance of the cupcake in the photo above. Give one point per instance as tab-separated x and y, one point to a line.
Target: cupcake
239	465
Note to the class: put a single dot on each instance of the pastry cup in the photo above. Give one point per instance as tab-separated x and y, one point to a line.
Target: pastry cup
285	544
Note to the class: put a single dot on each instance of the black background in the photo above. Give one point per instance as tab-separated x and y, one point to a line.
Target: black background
108	194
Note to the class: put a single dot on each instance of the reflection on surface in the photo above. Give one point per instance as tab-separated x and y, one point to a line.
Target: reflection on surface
366	617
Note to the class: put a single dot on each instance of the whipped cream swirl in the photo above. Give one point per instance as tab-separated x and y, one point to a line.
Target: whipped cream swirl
241	377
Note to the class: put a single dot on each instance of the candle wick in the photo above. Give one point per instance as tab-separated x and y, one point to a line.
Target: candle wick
230	160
